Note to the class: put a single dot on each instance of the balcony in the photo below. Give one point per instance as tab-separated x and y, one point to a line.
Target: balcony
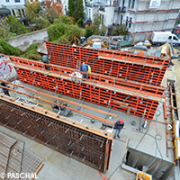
120	9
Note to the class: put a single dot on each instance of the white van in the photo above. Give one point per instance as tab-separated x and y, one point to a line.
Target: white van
163	37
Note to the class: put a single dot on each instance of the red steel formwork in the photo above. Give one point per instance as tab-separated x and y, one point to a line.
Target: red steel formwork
129	66
143	97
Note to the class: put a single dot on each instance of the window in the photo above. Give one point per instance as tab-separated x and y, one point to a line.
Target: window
121	19
133	3
17	0
129	4
130	22
89	13
102	20
13	13
123	3
169	37
19	11
23	12
175	38
126	21
7	0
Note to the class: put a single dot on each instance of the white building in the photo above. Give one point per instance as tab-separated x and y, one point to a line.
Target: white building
16	7
142	17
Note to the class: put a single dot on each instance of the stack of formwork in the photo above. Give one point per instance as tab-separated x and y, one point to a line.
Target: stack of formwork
130	66
121	80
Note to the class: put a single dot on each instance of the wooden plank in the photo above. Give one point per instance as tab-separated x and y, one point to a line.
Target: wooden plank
96	83
35	174
120	102
131	62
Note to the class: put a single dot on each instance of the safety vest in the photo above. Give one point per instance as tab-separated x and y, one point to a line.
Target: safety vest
89	69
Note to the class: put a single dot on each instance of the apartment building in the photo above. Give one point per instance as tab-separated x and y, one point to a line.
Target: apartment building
142	17
15	7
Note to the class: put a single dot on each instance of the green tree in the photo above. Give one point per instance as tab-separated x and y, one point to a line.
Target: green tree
70	7
88	32
4	29
76	9
42	23
119	30
15	25
63	19
32	10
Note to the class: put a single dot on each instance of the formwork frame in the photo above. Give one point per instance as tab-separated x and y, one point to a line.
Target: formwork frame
56	104
129	66
92	93
79	142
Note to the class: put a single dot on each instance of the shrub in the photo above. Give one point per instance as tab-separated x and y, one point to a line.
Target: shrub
42	23
33	46
8	49
34	56
31	52
16	26
88	32
80	22
55	31
63	19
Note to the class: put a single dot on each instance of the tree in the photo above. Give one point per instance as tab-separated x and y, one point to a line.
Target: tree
42	23
32	10
119	30
54	9
15	25
70	7
76	9
4	29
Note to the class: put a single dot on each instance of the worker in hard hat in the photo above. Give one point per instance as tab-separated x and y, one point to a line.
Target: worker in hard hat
5	91
84	68
119	125
45	59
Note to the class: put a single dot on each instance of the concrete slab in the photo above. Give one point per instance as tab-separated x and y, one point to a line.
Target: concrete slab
58	166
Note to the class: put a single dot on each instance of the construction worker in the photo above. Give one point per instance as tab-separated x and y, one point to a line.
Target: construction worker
84	68
5	91
45	60
119	125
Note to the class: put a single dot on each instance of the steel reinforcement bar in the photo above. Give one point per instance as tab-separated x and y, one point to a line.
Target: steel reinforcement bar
92	93
129	66
62	134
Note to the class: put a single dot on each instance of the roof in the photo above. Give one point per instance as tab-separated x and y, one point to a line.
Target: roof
16	7
4	11
125	43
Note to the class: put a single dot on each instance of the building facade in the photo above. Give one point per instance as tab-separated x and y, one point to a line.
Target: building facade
16	7
142	17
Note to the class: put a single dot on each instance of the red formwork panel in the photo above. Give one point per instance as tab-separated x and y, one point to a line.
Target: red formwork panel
89	93
151	69
106	81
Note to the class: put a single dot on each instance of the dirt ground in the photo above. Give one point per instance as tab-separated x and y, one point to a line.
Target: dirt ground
176	71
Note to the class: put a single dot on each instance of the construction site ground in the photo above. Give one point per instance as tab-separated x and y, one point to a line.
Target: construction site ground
58	166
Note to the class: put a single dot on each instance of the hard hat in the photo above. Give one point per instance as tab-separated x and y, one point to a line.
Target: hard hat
120	121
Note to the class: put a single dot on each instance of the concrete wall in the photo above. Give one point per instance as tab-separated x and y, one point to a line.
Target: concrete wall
25	40
161	171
